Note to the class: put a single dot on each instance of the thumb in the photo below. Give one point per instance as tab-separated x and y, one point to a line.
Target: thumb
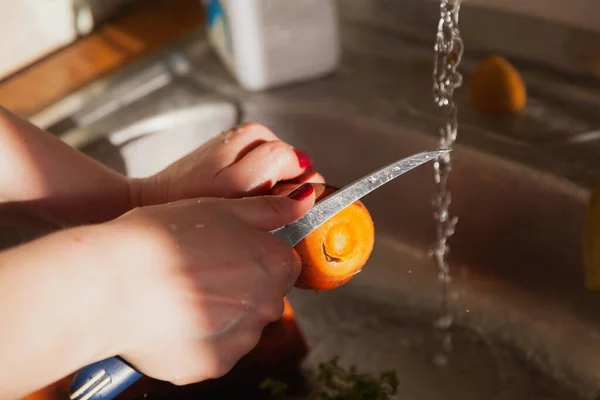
272	212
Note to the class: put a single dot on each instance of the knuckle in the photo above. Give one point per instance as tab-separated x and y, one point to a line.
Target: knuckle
276	146
271	310
200	368
274	205
282	265
250	127
278	150
233	182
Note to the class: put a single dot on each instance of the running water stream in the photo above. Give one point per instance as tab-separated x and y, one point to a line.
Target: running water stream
448	53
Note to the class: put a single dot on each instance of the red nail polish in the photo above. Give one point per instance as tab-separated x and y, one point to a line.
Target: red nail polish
304	159
302	192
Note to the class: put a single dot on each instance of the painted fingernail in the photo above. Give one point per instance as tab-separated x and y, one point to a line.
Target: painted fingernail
304	159
302	192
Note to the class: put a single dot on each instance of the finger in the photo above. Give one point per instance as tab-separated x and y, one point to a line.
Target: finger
282	264
264	166
270	310
230	349
236	142
210	359
271	212
310	175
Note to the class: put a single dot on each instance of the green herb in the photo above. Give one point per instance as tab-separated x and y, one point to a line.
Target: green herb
335	383
277	388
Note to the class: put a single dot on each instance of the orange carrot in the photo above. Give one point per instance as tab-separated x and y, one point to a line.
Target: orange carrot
335	252
57	391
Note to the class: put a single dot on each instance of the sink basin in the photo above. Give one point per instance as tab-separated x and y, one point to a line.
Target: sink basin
524	326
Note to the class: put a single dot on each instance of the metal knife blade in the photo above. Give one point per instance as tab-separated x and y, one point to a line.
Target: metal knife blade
327	208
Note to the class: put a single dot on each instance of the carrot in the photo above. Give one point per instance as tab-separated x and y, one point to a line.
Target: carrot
497	87
56	391
336	251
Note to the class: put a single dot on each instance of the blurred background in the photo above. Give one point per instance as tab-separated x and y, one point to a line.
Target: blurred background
136	84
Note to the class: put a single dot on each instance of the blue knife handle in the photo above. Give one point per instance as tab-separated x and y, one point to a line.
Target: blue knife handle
103	380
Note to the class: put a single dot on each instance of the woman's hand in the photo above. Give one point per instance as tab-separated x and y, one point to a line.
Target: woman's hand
44	181
180	290
203	278
247	160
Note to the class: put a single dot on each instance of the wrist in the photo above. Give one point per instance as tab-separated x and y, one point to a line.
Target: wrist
144	192
58	305
95	264
89	281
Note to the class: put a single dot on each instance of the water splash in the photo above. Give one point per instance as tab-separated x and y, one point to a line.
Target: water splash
446	79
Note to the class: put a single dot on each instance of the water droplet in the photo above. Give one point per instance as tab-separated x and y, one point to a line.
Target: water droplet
199	225
410	271
200	201
173	227
442	216
226	136
444	322
246	303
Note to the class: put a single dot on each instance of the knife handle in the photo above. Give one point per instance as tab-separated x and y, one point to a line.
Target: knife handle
103	380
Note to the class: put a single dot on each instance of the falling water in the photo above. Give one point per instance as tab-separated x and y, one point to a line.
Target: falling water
448	53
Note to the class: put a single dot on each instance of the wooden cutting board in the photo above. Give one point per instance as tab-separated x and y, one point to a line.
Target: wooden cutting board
141	30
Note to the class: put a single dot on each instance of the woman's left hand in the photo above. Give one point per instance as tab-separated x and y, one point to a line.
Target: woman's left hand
247	160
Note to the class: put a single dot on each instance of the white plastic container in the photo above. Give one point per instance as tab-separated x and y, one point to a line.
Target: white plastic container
267	43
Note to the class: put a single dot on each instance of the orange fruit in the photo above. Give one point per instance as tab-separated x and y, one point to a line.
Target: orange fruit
497	87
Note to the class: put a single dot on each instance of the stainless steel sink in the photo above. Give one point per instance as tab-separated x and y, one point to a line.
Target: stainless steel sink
524	326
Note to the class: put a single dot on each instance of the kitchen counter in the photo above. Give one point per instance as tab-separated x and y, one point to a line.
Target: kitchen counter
134	34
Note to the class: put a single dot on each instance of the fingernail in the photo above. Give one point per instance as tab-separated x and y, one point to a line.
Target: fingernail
304	159
302	192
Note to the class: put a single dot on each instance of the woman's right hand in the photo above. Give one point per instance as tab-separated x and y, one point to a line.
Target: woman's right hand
198	280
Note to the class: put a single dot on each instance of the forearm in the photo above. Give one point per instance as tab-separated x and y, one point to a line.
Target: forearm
53	309
52	181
